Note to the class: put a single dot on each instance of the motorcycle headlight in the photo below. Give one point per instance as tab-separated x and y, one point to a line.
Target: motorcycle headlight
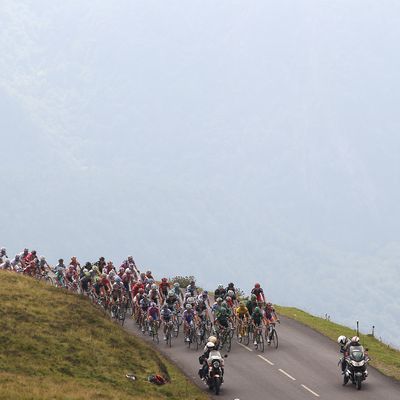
358	364
215	364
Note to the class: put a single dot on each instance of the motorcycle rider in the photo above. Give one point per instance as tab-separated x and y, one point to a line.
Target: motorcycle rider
343	342
210	352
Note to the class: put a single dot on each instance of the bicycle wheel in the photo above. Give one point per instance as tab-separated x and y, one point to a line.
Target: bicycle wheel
274	339
260	342
176	328
121	315
228	343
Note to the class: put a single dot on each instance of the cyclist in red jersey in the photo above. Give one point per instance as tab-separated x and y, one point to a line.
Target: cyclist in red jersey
257	290
163	288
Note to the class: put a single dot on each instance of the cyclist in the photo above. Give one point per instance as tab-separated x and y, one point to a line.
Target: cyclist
153	315
216	307
31	256
100	264
153	293
257	320
258	291
223	316
242	314
71	275
59	271
252	303
201	312
163	288
16	263
115	294
144	306
171	300
191	288
43	264
166	318
270	317
3	254
6	264
75	263
178	292
219	292
188	317
204	296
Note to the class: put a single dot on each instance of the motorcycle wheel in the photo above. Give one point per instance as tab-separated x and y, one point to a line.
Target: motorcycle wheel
345	379
217	386
358	383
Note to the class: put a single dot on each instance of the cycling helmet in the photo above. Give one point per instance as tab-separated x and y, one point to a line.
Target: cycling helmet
112	273
130	258
176	284
85	270
192	282
60	260
122	270
257	309
104	275
220	286
342	339
42	258
152	304
117	279
150	280
257	285
165	280
188	306
165	305
128	271
171	293
230	285
228	298
200	301
141	290
253	297
154	286
17	257
205	293
212	339
210	345
219	299
115	285
241	304
231	293
148	272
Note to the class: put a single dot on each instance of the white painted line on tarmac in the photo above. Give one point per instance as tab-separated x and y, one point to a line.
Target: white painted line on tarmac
311	391
266	360
285	373
240	344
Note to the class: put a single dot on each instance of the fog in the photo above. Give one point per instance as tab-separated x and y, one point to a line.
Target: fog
232	140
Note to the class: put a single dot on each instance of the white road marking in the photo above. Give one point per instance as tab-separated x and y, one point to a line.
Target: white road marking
240	344
266	360
311	391
285	373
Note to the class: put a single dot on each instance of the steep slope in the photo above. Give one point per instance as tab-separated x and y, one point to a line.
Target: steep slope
56	345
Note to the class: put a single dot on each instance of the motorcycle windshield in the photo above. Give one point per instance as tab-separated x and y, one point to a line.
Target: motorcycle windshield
357	353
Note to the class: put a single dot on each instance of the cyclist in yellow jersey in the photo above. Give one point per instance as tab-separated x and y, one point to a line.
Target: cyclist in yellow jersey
242	313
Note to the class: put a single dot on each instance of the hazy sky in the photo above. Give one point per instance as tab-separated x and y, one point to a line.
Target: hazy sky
232	140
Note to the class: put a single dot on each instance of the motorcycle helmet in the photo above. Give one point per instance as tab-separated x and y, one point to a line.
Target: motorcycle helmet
212	339
355	339
210	345
342	340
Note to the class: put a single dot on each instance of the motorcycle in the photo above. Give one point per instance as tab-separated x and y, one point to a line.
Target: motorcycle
356	366
215	375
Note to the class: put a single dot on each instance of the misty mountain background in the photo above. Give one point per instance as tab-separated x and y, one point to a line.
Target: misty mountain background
235	141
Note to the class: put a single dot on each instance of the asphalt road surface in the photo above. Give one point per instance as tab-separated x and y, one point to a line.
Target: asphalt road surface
304	367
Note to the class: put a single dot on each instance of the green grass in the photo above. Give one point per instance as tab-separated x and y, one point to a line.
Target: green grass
383	357
56	345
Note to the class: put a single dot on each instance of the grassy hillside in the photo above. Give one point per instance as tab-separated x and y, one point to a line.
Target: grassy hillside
383	357
56	345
